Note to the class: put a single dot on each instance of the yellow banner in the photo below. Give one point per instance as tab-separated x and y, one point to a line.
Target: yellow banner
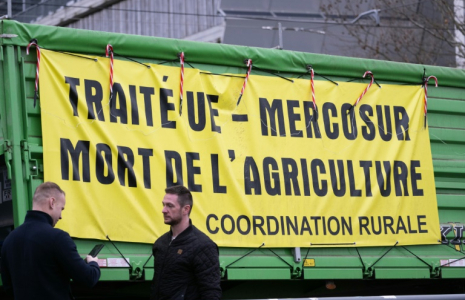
268	170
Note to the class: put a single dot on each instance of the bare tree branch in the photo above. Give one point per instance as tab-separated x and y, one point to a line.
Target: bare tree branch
426	32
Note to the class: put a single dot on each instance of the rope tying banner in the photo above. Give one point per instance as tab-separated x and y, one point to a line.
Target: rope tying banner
33	42
367	88
312	85
181	61
425	106
249	65
312	75
109	51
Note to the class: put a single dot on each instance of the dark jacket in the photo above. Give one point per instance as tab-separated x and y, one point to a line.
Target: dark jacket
39	260
186	268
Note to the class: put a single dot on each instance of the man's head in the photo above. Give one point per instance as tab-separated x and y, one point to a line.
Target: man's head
49	198
177	204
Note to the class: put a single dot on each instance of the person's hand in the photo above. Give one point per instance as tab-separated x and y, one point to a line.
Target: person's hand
90	258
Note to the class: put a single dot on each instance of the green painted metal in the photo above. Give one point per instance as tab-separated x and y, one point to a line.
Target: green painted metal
149	272
21	137
453	272
12	144
259	273
333	273
113	274
450	202
2	102
402	273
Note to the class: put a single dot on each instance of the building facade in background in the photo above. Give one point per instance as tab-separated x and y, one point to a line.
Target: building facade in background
198	20
426	32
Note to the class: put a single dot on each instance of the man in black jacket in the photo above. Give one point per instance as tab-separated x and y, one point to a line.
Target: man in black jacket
186	260
39	260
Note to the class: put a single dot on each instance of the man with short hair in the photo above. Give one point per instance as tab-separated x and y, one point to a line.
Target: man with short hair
186	260
39	260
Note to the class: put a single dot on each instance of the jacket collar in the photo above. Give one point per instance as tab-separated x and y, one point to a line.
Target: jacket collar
38	216
184	233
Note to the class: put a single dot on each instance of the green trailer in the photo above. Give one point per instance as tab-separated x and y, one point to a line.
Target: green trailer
250	272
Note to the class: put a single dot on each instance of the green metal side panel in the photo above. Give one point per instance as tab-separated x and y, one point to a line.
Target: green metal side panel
406	273
13	130
453	273
2	101
259	273
114	274
21	143
148	273
333	273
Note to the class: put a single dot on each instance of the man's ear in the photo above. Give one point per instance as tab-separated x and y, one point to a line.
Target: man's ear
51	202
187	209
